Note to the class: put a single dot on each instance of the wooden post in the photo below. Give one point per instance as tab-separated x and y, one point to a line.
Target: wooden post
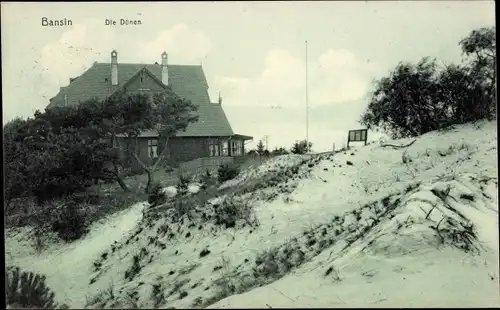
333	149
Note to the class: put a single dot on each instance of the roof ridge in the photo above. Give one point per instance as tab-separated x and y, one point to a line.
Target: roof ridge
144	64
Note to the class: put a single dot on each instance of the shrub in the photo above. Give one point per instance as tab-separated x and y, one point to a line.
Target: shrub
206	179
418	98
182	185
227	172
301	147
233	209
279	151
157	196
28	290
69	223
86	197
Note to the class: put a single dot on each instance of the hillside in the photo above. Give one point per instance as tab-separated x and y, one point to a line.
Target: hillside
373	226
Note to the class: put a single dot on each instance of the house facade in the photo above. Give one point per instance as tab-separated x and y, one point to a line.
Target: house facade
210	137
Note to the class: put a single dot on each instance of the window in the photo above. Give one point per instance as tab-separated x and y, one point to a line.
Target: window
358	135
225	148
153	148
213	148
236	148
363	135
351	135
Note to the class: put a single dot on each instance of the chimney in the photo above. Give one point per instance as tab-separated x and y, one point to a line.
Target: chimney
220	99
164	68
114	68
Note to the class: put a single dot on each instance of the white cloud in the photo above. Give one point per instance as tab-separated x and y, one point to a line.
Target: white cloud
273	102
337	59
76	50
335	76
89	41
181	43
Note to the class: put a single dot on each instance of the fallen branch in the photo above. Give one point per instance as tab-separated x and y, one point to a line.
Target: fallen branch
398	146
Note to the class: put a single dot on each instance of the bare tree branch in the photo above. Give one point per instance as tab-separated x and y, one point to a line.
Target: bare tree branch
398	146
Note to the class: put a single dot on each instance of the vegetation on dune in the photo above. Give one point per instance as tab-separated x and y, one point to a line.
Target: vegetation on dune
418	98
227	172
60	153
56	157
28	290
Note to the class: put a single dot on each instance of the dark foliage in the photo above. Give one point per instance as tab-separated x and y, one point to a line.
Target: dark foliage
418	98
227	172
182	185
301	147
261	147
206	179
28	290
279	151
70	223
157	196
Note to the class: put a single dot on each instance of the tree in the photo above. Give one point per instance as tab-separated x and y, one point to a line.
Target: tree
301	147
260	147
97	121
165	112
404	103
127	115
15	159
462	98
47	162
415	99
479	47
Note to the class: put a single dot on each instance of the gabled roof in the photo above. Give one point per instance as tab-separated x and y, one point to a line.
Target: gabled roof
187	81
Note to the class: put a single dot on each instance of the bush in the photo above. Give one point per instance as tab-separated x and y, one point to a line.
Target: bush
69	224
182	185
86	198
301	147
233	209
279	151
157	195
28	290
227	172
418	98
206	179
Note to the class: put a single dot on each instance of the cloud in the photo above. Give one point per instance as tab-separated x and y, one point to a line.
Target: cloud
75	51
334	76
89	41
182	44
273	102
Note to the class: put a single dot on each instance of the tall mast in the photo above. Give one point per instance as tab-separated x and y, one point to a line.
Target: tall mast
307	104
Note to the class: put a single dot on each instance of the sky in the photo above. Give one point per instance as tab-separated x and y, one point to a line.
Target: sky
253	53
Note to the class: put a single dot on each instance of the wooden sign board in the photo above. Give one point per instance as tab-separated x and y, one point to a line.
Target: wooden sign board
357	135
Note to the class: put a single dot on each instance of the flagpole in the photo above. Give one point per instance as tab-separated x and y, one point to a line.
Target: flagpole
307	105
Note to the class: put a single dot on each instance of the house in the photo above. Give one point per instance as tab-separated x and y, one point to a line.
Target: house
210	137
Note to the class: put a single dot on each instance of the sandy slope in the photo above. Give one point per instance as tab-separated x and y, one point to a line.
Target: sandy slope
67	267
427	280
398	262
